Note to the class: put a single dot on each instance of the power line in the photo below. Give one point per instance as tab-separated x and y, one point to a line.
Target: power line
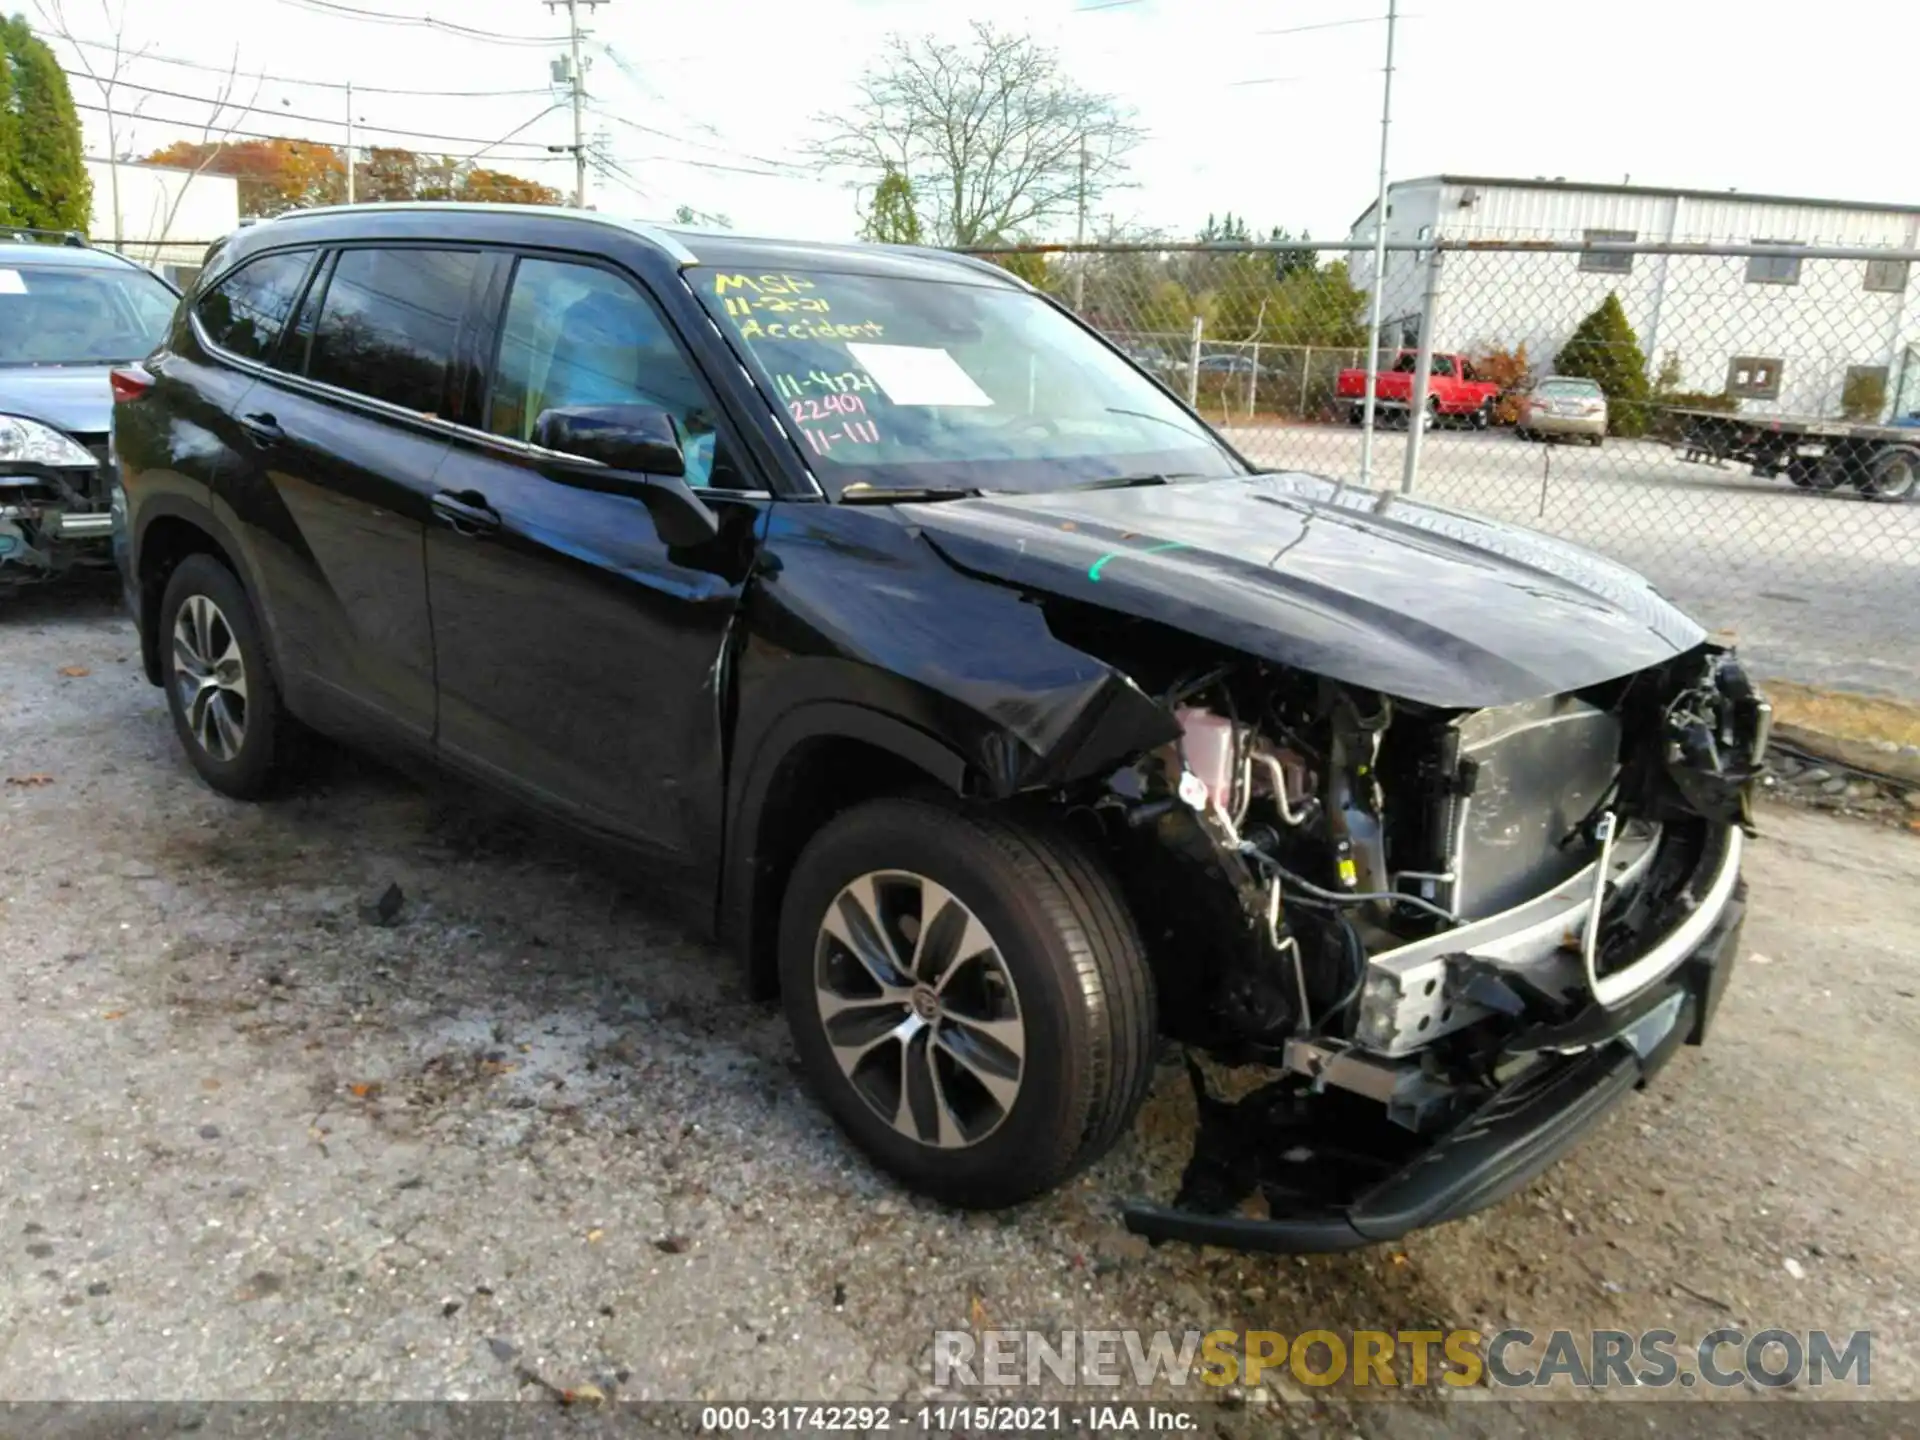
147	55
614	170
508	137
309	140
1330	25
304	119
641	83
715	165
683	140
385	17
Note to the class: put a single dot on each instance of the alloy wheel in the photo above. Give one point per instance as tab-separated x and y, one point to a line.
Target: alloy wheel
919	1008
210	677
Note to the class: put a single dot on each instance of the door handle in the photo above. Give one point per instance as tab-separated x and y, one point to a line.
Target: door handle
466	512
263	428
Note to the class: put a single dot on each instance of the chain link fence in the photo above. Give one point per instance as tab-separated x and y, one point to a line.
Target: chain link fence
1731	421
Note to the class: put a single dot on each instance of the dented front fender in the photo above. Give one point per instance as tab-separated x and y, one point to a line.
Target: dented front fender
853	605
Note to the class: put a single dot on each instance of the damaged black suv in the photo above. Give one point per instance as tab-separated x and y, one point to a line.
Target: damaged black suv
1000	714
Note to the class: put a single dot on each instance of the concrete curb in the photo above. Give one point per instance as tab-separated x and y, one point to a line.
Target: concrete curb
1868	732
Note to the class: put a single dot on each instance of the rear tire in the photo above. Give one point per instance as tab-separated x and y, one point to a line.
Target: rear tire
220	689
1894	475
1071	1014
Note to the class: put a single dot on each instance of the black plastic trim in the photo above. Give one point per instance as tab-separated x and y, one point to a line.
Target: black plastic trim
1515	1135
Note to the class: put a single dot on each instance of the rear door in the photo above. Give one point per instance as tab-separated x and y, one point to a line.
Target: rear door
184	440
580	658
347	441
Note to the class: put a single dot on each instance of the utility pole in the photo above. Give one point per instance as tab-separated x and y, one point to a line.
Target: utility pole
1080	240
349	142
1379	257
113	161
577	77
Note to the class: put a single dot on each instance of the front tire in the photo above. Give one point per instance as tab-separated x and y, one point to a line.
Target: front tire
220	690
968	995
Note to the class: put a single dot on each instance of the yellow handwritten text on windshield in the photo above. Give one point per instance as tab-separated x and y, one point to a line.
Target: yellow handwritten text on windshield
762	284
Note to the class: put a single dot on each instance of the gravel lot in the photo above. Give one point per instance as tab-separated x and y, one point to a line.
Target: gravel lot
1821	588
534	1135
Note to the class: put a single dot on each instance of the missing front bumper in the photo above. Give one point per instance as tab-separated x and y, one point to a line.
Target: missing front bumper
1413	994
1511	1137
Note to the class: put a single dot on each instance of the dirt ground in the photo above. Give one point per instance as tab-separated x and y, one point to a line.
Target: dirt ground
534	1135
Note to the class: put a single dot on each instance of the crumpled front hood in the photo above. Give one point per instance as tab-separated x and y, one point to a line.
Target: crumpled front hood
1372	589
77	399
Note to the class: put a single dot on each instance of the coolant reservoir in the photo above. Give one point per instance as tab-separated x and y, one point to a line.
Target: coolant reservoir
1209	752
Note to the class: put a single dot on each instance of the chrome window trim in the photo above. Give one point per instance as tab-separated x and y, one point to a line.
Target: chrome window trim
452	429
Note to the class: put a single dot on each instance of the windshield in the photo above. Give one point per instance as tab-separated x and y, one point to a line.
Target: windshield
70	315
921	384
1586	389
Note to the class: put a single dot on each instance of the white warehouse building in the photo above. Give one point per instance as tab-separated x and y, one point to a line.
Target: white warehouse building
1778	334
165	217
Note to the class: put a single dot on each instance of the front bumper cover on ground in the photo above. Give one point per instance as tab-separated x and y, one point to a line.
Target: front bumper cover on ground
1513	1136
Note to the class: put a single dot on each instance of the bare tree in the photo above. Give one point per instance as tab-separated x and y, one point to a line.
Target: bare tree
995	137
105	74
214	135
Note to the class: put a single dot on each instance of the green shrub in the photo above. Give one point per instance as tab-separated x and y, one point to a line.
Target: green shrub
1864	396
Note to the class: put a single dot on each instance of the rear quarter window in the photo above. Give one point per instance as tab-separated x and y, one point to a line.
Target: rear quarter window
246	313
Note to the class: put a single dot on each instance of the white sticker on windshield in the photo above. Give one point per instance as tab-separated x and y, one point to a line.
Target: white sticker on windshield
918	375
12	282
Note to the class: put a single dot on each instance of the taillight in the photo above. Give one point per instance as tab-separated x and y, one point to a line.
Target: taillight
130	383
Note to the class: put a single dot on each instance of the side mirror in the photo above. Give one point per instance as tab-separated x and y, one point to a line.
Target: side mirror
634	450
639	438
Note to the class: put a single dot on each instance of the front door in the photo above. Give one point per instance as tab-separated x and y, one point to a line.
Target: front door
580	658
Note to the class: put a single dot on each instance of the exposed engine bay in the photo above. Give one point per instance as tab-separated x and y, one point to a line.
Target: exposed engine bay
1396	908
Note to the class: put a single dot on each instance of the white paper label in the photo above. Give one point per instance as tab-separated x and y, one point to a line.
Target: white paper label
918	375
12	282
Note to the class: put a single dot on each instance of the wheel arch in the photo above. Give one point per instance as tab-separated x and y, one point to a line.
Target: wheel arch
172	527
816	761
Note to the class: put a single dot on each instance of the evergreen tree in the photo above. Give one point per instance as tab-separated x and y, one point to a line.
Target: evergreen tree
46	182
892	218
8	129
1604	349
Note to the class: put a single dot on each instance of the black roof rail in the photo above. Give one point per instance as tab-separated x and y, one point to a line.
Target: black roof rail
28	235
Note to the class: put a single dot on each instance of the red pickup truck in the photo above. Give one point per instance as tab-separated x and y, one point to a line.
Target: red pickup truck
1453	390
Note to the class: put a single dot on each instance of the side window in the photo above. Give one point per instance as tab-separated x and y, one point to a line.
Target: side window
388	323
1442	365
578	335
245	313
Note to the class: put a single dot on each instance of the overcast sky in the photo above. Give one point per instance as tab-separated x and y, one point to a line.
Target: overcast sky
1281	128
